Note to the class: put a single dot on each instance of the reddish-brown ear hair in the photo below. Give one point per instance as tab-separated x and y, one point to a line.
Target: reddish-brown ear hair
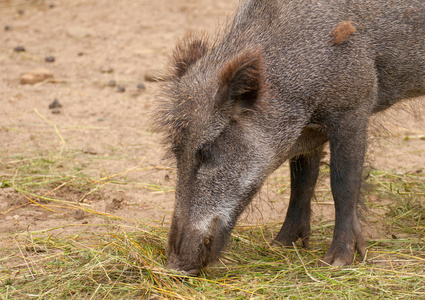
187	52
243	79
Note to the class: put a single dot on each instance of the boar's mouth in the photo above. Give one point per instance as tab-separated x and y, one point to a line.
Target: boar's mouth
193	272
176	267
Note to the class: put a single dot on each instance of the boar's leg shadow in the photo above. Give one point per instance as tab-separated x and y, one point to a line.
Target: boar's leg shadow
304	173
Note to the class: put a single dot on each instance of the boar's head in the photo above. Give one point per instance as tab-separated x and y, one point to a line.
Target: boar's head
216	127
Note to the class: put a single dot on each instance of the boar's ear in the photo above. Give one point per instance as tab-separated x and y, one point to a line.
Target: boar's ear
242	81
187	52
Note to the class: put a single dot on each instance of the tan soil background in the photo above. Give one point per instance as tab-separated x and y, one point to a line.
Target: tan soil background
109	132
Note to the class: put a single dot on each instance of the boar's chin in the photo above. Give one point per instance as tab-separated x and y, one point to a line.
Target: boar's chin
190	248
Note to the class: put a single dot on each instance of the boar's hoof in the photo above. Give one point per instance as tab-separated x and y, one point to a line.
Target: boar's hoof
344	256
283	244
337	262
287	238
292	231
289	243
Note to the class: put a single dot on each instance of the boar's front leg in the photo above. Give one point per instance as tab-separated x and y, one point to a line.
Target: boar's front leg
347	142
304	173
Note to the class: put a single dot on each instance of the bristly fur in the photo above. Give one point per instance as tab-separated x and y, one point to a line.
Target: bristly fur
252	59
169	119
172	113
187	51
243	74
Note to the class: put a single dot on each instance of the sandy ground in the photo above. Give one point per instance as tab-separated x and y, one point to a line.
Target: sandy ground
95	42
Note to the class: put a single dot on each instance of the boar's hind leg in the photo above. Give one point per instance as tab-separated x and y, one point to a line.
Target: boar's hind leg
304	172
348	147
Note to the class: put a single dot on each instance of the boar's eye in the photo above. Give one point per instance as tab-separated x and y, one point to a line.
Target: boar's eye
204	154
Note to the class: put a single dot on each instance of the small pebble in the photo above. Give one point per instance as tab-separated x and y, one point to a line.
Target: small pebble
106	69
141	86
50	59
90	151
19	49
55	104
7	28
52	5
121	89
80	53
112	83
79	214
21	12
35	76
16	219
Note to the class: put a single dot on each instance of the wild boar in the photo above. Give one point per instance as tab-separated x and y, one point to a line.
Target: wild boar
283	78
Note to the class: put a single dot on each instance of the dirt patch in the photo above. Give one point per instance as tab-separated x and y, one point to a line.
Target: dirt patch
102	51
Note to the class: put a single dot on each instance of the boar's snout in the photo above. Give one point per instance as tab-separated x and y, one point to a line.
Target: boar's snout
191	248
